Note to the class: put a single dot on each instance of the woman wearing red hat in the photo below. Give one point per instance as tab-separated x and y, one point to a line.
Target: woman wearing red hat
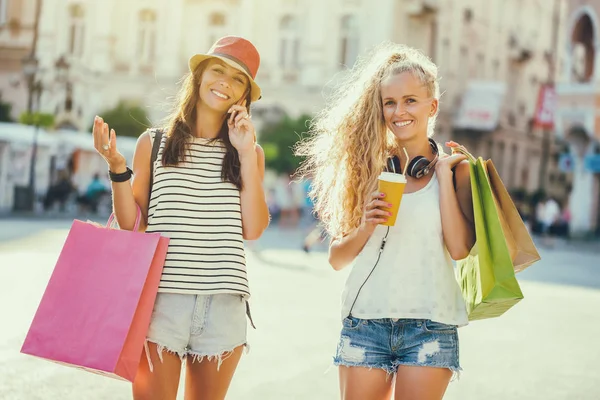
204	190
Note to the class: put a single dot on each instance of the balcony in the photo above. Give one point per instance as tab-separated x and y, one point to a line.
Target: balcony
420	8
519	50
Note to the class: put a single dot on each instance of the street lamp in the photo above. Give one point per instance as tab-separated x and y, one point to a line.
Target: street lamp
30	69
62	67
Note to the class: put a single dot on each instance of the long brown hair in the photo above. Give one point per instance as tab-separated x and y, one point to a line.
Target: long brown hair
181	125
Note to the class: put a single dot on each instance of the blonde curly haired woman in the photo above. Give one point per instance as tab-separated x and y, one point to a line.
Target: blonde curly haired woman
401	304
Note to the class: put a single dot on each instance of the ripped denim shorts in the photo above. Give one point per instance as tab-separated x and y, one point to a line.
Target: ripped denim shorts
198	326
387	343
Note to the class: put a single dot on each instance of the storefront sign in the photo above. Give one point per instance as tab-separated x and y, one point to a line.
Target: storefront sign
545	108
480	106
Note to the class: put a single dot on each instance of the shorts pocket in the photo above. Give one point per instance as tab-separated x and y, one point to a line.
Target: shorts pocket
351	323
438	327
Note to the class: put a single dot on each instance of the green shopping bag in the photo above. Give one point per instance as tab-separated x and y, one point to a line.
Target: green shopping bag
487	276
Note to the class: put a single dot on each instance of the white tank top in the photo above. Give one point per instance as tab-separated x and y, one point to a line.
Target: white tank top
414	277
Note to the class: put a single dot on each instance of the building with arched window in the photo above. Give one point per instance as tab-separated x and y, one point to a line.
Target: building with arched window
578	116
493	58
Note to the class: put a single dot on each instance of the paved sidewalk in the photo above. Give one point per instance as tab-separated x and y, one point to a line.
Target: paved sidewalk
544	348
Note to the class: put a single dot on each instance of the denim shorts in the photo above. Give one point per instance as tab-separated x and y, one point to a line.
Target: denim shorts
387	343
198	326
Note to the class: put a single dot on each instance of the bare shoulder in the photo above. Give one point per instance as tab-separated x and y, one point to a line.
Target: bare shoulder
145	140
143	148
463	175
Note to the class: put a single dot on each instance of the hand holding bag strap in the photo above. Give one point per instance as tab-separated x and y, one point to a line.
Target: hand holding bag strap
463	150
158	133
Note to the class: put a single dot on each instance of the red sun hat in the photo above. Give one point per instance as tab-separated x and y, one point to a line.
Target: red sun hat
236	52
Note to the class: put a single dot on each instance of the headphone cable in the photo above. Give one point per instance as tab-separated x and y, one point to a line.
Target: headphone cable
381	247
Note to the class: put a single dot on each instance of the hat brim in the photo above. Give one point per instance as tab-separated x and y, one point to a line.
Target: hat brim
195	61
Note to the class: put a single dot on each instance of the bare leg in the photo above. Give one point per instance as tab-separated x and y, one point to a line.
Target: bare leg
421	383
359	383
162	383
204	382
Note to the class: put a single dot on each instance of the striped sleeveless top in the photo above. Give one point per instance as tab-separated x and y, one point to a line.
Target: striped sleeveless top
202	216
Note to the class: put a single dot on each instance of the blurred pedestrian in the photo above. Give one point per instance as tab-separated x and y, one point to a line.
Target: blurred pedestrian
93	193
317	232
60	192
550	214
401	304
207	196
284	197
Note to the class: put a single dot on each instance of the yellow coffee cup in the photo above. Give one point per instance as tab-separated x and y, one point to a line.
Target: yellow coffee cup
393	186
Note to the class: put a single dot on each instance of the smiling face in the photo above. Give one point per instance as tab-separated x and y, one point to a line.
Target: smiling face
407	105
222	86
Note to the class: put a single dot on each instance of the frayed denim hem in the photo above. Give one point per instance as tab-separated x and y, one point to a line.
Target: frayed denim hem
191	355
390	371
456	371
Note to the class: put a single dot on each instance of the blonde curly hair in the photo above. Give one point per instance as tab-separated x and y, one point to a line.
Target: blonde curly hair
349	141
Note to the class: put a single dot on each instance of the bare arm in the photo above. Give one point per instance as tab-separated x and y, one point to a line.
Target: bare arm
344	250
126	194
456	208
255	212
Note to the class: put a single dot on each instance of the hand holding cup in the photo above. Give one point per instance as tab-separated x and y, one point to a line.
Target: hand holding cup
374	212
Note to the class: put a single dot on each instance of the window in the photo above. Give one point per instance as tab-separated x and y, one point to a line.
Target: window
217	24
290	43
480	67
464	66
3	12
490	149
496	67
467	15
500	157
349	41
146	42
76	30
513	166
445	57
433	40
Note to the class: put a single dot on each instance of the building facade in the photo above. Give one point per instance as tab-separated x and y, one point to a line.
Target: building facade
17	23
493	54
577	117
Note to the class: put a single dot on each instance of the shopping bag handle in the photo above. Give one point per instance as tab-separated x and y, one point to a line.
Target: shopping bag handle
462	150
136	225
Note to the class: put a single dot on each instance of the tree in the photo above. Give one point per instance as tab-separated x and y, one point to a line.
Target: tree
38	119
126	119
278	141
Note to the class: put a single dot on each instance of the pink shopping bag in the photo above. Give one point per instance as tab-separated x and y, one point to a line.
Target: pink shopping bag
97	306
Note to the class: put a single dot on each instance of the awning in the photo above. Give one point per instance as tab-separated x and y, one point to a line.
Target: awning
480	106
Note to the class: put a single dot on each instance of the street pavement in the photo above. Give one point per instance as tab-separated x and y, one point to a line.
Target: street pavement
546	347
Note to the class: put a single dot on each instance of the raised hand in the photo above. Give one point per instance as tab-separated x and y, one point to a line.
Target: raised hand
105	143
241	129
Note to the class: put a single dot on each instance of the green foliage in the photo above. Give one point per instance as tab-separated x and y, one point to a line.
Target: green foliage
38	119
278	141
126	119
5	109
